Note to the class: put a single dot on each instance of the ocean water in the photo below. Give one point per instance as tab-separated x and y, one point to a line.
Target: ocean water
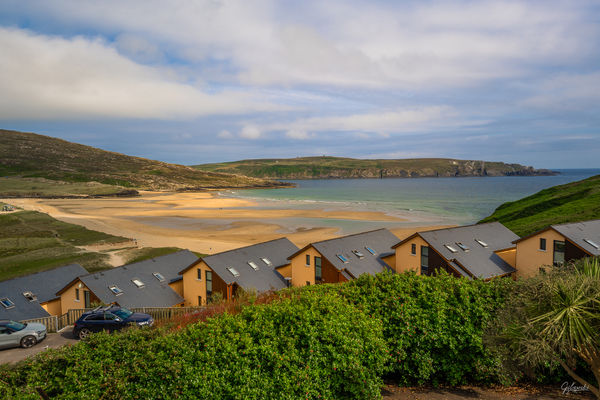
420	200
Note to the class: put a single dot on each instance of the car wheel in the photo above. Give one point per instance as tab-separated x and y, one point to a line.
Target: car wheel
28	341
84	332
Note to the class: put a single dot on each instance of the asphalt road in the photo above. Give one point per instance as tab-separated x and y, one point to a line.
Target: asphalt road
52	341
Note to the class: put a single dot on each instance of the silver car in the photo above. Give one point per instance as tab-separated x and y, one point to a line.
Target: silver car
14	334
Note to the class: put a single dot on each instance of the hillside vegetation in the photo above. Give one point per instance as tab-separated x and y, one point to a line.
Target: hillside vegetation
572	202
319	342
336	167
28	155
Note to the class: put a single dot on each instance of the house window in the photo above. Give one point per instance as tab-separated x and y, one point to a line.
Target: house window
138	283
116	290
199	300
76	294
159	276
307	260
342	258
267	261
413	249
209	287
233	271
307	283
592	243
30	296
481	243
543	244
7	303
424	260
452	249
358	254
463	247
558	257
370	250
253	265
318	270
199	274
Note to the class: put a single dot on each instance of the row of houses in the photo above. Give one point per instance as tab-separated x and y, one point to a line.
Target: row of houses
482	251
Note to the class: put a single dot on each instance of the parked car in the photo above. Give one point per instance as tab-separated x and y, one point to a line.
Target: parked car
109	319
15	334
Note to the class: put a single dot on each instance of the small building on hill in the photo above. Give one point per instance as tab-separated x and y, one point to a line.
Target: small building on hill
557	244
341	259
482	251
34	296
251	268
150	283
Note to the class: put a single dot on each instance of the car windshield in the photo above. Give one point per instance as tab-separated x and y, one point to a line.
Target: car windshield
123	313
16	326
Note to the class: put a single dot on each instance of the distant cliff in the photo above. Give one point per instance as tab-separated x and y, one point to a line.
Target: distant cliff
347	168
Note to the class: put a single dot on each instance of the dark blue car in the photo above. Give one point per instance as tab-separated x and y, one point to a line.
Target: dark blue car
109	319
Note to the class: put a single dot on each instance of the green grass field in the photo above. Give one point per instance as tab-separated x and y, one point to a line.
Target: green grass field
31	241
40	187
573	202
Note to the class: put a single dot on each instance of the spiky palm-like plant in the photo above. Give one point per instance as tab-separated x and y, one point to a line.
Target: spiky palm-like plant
556	317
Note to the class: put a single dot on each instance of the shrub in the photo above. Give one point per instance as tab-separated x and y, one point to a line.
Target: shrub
314	346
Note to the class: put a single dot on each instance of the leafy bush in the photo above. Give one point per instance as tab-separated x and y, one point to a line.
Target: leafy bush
434	326
313	346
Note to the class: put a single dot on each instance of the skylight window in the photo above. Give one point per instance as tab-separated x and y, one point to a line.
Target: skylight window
593	244
7	303
370	250
463	247
267	261
452	249
481	243
159	276
253	265
358	254
342	258
138	283
30	296
233	271
115	289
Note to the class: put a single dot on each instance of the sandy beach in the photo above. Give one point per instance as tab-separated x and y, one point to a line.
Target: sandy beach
203	222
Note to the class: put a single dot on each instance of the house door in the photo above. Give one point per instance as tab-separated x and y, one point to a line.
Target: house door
86	299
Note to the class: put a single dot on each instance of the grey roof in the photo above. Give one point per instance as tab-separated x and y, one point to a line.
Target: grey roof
43	285
579	232
154	293
381	241
266	277
479	261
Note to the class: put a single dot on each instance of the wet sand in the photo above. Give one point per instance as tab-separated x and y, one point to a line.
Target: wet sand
204	222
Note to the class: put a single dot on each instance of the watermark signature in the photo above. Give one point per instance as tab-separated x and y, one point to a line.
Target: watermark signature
572	388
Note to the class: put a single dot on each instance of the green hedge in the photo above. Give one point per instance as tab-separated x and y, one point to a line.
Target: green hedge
434	326
302	347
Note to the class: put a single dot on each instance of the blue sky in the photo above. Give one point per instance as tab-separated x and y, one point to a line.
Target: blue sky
206	81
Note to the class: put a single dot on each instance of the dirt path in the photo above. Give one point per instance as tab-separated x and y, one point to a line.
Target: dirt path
392	392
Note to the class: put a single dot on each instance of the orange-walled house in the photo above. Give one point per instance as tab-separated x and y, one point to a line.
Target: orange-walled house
254	268
34	296
341	259
481	251
555	245
149	283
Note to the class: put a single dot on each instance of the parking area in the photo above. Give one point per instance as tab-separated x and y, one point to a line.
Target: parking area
52	341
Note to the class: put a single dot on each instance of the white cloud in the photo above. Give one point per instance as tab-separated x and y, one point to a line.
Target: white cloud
57	78
567	92
225	134
297	134
251	132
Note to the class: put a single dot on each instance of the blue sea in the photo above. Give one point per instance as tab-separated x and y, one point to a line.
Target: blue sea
419	200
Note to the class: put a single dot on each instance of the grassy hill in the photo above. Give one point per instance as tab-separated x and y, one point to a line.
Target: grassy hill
30	160
31	241
572	202
337	167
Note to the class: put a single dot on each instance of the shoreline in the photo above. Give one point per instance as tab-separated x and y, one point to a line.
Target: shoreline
208	222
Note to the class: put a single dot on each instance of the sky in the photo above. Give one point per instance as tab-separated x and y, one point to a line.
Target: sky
193	82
